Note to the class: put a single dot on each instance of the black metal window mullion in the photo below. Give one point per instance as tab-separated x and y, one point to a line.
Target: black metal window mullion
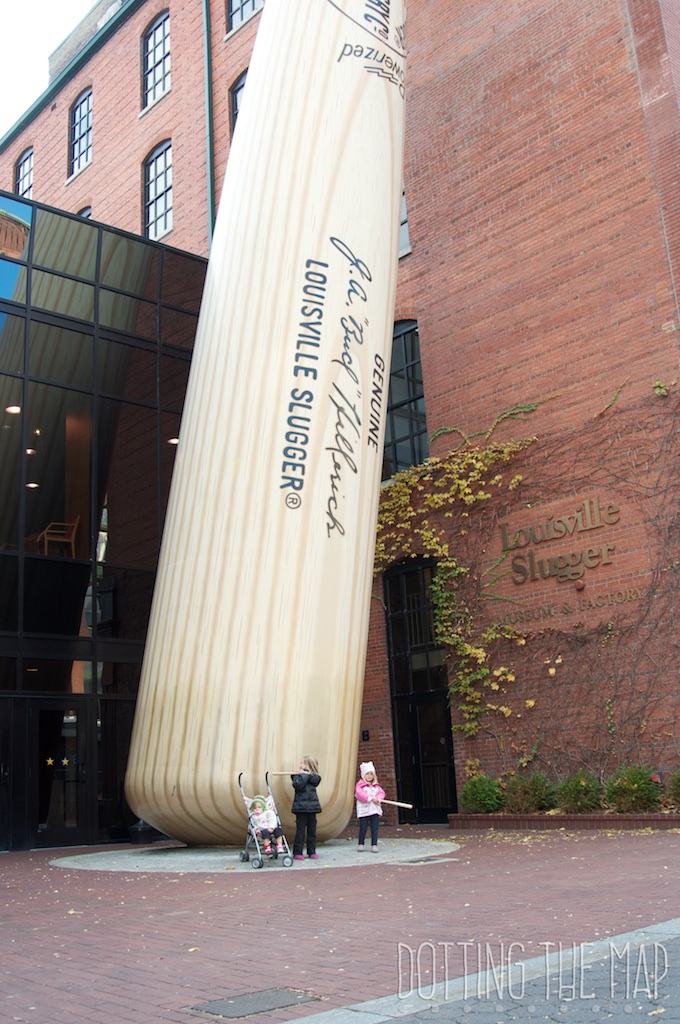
406	428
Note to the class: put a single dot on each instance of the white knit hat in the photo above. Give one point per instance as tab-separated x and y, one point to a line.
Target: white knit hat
366	767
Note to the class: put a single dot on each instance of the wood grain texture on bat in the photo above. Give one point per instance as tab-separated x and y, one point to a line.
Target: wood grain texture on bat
257	640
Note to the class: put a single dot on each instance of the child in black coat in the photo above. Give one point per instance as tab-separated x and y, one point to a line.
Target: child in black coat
306	806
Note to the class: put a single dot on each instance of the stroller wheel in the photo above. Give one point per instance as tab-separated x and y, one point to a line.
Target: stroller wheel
256	862
287	861
243	856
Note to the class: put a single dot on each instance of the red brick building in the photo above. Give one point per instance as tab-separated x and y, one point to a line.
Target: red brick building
542	158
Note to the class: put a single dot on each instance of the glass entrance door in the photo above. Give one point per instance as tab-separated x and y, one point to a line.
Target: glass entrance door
425	757
58	797
420	697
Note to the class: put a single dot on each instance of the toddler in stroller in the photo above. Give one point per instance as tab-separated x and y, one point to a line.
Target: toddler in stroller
263	819
264	827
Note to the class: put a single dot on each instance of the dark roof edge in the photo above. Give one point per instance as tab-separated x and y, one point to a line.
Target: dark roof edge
81	58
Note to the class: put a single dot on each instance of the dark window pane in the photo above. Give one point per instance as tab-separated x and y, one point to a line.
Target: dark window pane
393	592
401	422
53	676
129	265
8	669
388	466
405	752
438	673
174	378
398	386
126	371
178	330
101	606
183	280
420	448
415	377
65	245
128	314
416	660
130	592
12	330
44	612
57	353
398	634
61	295
419	675
59	431
168	448
127	464
419	623
401	676
119	680
406	428
115	729
9	590
403	454
434	735
11	447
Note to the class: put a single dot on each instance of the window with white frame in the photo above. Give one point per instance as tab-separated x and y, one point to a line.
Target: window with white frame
158	191
156	59
239	11
23	174
80	133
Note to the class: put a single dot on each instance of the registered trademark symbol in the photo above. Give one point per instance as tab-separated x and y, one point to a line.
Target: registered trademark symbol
293	500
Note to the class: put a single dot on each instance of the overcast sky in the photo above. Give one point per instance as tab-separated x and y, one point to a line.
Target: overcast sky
31	30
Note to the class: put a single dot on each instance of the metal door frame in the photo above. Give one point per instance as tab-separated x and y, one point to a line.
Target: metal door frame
83	774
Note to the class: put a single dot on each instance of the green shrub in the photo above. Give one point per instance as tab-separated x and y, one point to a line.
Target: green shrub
481	795
579	793
529	794
673	789
631	789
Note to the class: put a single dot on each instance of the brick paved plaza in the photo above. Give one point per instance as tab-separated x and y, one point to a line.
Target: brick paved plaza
113	946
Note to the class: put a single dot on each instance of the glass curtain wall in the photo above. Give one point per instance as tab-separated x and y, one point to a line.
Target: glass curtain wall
96	333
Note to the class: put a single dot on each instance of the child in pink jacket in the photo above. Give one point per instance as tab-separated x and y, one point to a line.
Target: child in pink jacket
368	796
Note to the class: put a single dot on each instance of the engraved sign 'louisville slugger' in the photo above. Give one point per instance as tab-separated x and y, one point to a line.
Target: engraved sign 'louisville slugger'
257	641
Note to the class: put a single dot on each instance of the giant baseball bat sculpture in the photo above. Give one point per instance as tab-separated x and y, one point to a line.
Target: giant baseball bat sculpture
257	640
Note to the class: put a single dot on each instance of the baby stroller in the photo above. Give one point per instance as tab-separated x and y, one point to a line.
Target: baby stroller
252	838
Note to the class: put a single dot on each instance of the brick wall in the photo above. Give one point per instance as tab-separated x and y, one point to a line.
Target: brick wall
543	216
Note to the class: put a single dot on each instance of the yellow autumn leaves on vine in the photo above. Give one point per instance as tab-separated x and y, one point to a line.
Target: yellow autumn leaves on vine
413	511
